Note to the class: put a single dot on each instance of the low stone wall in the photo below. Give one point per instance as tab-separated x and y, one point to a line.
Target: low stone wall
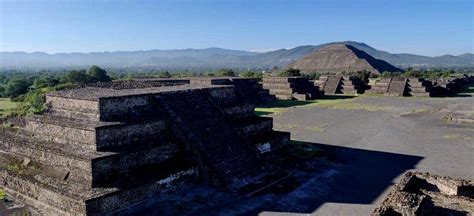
426	194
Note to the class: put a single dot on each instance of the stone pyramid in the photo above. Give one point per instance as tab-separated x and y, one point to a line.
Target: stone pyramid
338	58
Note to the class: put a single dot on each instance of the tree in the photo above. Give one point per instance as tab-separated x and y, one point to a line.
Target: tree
45	81
290	72
312	76
98	74
2	91
225	72
16	87
78	77
3	79
164	74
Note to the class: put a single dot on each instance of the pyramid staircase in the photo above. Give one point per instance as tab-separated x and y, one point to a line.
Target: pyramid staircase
419	87
96	150
288	88
381	86
336	84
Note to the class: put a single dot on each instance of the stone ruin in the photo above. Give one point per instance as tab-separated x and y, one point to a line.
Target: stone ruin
399	86
250	87
289	88
425	194
419	87
337	84
444	86
97	150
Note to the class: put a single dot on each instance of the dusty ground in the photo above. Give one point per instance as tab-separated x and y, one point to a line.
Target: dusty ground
368	142
380	138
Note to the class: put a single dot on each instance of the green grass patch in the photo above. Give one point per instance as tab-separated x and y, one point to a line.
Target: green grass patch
3	194
6	105
469	89
417	111
348	104
329	102
456	137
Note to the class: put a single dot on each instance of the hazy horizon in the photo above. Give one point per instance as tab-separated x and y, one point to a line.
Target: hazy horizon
429	28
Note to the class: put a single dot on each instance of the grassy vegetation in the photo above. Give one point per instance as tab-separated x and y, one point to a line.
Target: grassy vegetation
469	89
347	104
340	102
6	105
3	194
456	137
417	111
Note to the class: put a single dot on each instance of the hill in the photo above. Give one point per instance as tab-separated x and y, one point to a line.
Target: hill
337	58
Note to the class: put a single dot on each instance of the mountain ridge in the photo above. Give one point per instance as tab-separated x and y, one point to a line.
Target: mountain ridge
214	57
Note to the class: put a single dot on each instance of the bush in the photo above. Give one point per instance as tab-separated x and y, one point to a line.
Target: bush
98	74
252	74
312	75
225	72
16	87
290	72
387	74
164	74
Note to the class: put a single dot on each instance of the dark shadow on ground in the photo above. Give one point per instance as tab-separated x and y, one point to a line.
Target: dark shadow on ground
335	175
338	97
361	176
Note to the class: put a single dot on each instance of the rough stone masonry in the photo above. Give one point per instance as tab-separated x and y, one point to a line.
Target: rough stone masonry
99	149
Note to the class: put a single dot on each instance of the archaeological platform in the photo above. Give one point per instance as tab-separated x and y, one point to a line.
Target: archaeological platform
99	149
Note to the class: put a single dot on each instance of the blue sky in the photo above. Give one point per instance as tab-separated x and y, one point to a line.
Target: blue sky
398	26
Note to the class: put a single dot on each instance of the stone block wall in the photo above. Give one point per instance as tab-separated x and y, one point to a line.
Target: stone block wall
426	194
288	88
97	150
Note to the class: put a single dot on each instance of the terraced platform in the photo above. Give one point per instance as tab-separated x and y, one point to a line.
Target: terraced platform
336	84
97	150
288	88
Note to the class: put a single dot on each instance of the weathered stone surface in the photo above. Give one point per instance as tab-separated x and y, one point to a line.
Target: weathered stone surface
99	149
287	88
426	194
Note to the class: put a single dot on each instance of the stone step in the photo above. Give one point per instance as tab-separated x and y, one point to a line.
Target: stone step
278	85
240	111
91	116
75	160
301	97
284	97
253	125
282	80
59	198
77	105
85	167
91	134
287	91
420	90
420	94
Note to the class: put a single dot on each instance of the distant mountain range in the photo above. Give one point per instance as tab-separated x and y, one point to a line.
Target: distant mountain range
212	58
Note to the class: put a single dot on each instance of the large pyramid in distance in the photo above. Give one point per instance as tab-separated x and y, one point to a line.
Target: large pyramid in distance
338	58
